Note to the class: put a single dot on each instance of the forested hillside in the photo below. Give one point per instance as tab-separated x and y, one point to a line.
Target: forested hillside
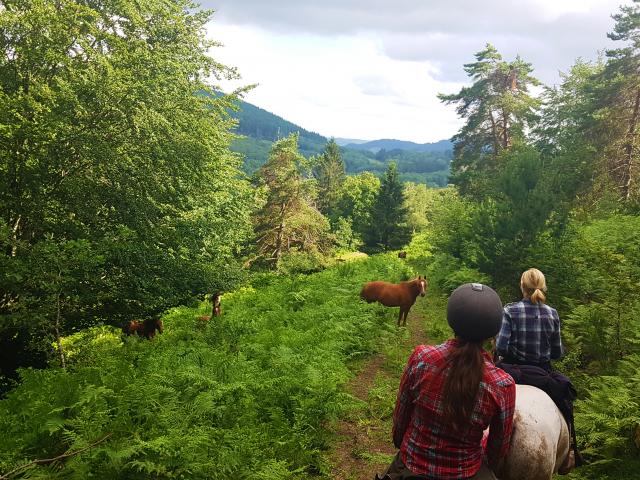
421	163
125	201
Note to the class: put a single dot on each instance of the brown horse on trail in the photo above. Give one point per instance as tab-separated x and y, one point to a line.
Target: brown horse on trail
401	294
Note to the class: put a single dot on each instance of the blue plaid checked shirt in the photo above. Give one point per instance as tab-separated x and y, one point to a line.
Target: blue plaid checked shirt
530	332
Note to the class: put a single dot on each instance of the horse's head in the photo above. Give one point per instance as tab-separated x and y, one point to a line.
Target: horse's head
422	283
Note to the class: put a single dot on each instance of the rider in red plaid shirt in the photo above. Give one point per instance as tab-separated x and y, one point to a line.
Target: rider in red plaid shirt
432	446
436	450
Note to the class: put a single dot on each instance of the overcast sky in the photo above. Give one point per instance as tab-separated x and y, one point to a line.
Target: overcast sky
371	69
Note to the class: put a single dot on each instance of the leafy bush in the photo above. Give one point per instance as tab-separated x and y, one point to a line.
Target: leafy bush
419	248
295	262
607	419
447	273
244	396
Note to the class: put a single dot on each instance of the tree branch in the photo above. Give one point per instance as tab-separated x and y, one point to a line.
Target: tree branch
47	461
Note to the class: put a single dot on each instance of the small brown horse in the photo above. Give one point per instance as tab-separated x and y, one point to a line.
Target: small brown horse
145	329
401	294
216	311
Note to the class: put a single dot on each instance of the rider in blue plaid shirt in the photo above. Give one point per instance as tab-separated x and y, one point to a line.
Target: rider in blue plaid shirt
530	335
530	332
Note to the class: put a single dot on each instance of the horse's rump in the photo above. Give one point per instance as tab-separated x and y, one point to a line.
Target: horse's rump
540	439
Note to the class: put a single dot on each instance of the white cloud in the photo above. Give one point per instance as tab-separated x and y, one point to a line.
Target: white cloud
372	68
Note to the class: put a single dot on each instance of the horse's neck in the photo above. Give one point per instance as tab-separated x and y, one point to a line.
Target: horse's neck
415	287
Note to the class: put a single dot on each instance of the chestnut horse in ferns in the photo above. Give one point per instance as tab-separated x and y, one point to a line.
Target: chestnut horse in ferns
401	294
145	329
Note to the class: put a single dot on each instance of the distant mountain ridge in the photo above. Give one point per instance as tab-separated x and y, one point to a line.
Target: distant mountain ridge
261	124
346	141
258	129
392	144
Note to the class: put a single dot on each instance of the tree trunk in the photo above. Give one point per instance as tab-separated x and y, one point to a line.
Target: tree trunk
628	154
505	130
57	329
14	236
494	134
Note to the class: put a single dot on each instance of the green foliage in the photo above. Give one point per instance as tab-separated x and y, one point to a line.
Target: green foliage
498	109
356	200
447	273
420	248
417	201
119	196
288	219
609	417
329	173
296	262
245	396
345	238
387	228
602	261
433	179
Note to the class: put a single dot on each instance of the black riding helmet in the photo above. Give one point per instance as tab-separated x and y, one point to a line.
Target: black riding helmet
474	312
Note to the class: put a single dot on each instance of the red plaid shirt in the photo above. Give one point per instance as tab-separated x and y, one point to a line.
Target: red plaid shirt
430	448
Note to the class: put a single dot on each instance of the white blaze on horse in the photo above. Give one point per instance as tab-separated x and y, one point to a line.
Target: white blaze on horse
401	294
540	440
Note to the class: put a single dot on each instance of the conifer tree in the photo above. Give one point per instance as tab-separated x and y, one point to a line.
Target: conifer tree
330	173
288	220
616	91
388	227
498	109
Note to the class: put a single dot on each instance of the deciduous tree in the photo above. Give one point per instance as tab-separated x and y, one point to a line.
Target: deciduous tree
119	196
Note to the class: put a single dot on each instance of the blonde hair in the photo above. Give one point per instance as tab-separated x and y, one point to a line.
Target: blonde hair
533	285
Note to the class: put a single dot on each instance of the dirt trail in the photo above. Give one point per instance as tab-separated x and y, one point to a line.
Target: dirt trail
364	444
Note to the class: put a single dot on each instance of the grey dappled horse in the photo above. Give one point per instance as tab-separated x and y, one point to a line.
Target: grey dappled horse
540	440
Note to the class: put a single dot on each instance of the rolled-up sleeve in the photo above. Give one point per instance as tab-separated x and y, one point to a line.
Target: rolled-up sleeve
556	341
502	341
501	426
405	401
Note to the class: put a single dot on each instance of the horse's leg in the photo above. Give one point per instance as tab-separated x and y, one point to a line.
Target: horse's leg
400	316
406	313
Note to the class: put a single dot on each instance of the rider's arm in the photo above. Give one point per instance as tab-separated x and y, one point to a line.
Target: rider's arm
502	341
501	426
405	401
555	341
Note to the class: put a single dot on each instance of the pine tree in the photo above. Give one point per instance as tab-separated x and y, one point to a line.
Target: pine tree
498	109
617	103
329	173
288	220
388	227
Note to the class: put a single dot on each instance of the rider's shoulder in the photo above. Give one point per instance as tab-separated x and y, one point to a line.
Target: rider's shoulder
514	305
